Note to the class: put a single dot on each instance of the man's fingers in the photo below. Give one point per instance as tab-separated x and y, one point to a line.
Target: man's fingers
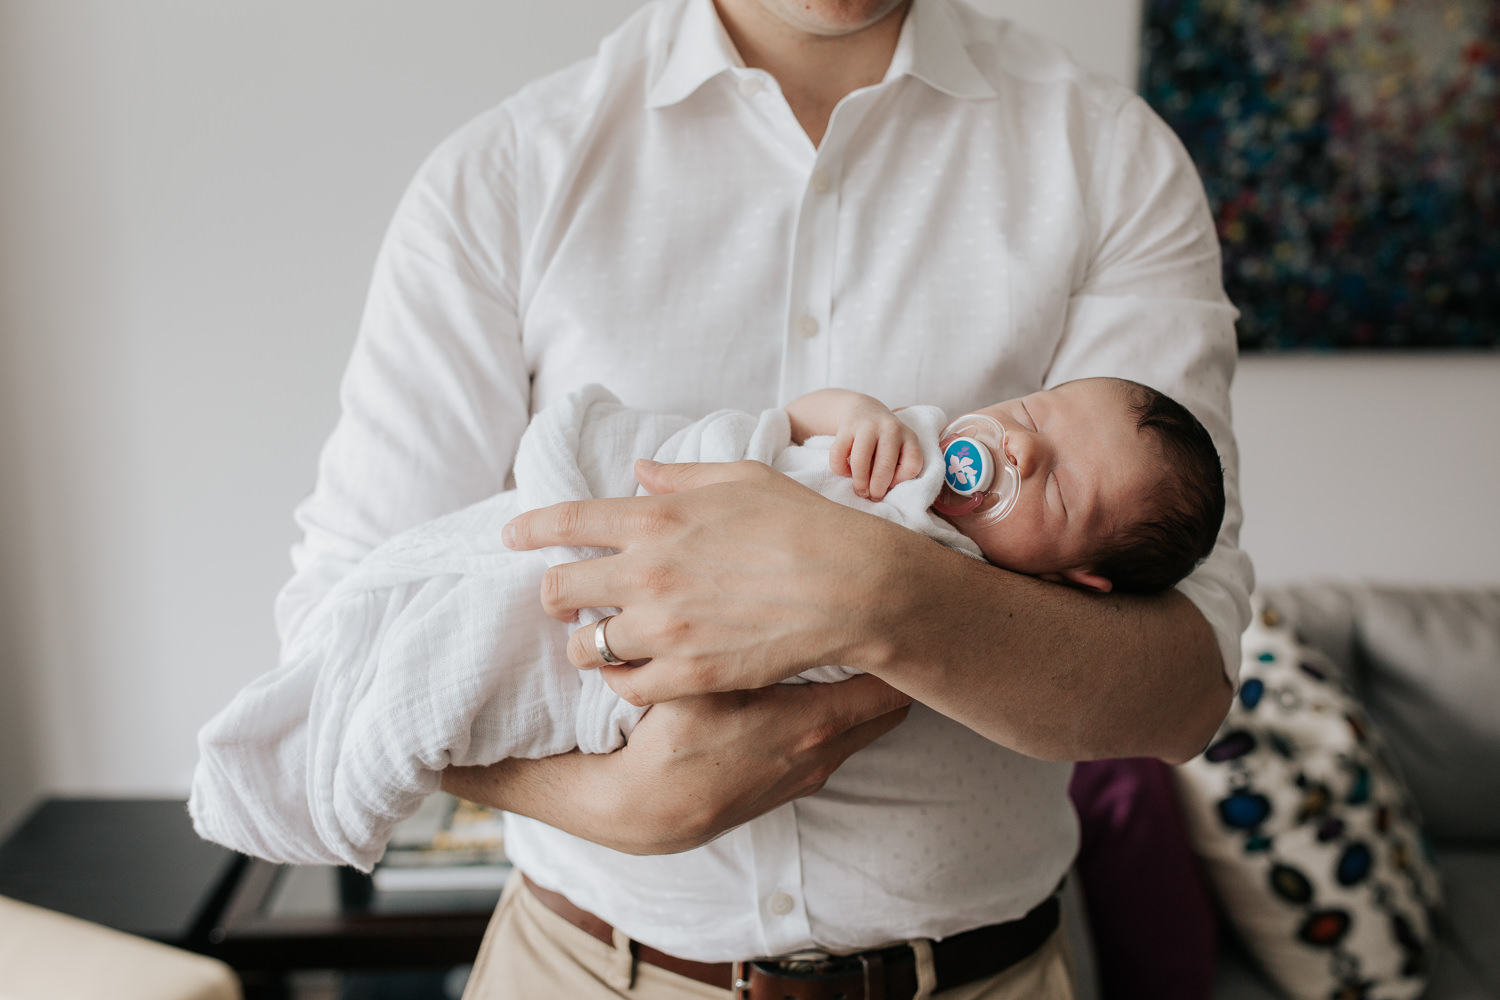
599	523
607	522
654	681
583	644
853	740
621	681
658	478
835	707
852	703
857	713
568	588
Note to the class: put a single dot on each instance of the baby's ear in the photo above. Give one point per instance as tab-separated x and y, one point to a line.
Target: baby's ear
1081	578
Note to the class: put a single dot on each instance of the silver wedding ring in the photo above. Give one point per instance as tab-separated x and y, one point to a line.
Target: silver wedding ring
601	647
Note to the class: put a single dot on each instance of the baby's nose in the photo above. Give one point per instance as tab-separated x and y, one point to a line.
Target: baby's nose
1022	447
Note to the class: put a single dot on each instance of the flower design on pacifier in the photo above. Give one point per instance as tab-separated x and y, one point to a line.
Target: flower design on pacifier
979	478
969	468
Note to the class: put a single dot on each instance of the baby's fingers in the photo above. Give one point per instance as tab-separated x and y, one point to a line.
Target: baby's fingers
890	459
899	460
838	455
861	456
910	466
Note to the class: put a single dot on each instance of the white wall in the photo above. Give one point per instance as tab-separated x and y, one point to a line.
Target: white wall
190	198
1381	467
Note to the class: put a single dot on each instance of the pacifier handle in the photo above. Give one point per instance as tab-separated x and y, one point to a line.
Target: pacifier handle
969	505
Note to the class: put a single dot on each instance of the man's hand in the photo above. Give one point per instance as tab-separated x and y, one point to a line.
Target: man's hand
732	577
694	768
744	578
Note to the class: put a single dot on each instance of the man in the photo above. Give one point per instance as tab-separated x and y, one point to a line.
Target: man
735	202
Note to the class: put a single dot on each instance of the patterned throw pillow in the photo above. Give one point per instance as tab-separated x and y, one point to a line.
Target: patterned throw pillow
1308	834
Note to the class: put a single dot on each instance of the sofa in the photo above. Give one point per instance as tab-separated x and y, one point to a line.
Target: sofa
1424	663
1339	838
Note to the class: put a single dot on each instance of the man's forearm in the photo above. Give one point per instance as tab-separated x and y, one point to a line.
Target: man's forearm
1048	670
734	577
524	786
581	794
694	767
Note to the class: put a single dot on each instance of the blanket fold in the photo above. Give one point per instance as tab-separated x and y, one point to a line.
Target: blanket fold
435	652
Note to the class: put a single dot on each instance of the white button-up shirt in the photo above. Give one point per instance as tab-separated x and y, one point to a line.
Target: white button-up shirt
986	221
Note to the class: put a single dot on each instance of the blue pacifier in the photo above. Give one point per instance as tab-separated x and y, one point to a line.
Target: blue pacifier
979	478
967	466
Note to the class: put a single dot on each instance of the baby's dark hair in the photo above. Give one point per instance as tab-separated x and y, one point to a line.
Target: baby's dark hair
1186	504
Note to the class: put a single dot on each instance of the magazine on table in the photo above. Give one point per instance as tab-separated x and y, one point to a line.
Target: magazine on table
449	843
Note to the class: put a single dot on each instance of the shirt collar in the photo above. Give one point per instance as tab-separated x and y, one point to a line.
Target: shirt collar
700	50
931	48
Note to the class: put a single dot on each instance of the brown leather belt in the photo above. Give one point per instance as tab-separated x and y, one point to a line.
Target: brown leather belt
880	974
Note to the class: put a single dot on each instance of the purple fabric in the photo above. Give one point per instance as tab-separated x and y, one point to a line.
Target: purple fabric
1149	907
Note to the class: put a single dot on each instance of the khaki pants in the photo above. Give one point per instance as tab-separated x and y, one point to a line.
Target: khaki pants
529	952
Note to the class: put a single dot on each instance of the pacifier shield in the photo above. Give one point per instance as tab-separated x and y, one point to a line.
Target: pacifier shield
968	467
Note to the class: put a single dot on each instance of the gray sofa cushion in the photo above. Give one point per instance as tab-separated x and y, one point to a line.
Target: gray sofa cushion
1472	880
1431	676
1426	663
1323	615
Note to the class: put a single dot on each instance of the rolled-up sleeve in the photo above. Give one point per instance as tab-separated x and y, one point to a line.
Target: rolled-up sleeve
1149	305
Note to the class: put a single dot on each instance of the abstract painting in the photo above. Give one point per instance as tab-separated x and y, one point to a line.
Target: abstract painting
1351	152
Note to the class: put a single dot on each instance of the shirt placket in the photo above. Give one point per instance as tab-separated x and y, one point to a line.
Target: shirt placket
809	310
807	340
780	900
806	365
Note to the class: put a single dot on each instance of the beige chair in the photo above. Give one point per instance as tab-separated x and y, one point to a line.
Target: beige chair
48	956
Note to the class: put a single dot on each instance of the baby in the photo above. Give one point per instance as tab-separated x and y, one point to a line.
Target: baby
434	651
1105	484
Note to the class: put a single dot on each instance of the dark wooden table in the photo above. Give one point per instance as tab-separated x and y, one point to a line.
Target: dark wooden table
132	864
281	918
137	866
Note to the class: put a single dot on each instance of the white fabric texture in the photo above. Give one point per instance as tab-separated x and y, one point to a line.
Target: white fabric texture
986	221
472	672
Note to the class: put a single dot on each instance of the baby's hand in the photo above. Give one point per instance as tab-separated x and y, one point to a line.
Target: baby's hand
875	449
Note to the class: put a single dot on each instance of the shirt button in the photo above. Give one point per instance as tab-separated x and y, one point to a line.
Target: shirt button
782	904
807	326
821	182
750	86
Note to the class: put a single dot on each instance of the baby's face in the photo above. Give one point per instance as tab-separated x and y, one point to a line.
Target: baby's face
1085	469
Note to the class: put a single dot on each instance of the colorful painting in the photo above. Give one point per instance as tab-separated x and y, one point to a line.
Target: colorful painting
1351	151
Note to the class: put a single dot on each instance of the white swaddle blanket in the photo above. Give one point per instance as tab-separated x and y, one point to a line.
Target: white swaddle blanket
435	650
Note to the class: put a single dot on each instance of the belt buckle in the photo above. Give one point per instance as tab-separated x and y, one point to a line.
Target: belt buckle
848	975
